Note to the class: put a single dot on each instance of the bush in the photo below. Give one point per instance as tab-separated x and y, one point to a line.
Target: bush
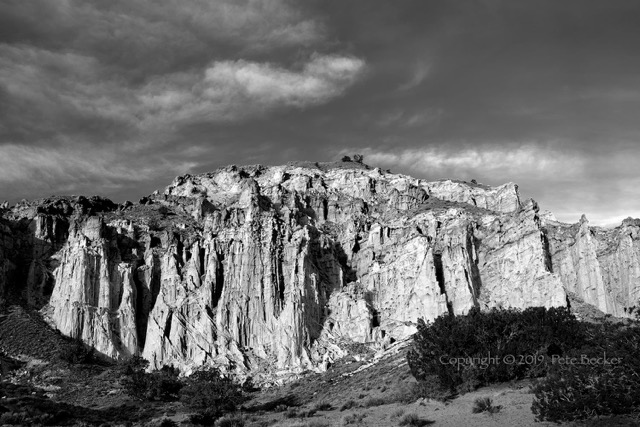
485	404
232	420
162	385
346	159
374	401
527	336
431	388
77	353
397	413
204	418
323	406
414	420
348	405
292	413
353	419
132	364
588	386
295	413
406	392
212	394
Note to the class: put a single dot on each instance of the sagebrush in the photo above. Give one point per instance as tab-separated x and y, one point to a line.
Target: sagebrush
526	336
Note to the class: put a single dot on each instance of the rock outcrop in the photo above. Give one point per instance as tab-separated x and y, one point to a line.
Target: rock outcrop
601	266
6	266
261	269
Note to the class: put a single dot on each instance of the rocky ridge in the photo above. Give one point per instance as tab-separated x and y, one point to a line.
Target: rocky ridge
264	269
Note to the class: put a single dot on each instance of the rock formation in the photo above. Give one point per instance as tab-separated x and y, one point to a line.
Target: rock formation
271	268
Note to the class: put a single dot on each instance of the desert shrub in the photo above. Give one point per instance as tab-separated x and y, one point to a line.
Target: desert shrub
414	420
230	420
295	413
485	404
397	413
291	413
13	418
599	379
77	353
348	405
374	401
527	336
323	406
317	423
346	159
204	418
353	419
162	385
249	386
431	388
211	394
406	392
314	423
132	364
277	405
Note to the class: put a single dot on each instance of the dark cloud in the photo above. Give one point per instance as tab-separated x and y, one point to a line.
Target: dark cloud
117	97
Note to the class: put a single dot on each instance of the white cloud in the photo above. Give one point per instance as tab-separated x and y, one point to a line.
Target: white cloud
529	159
257	24
321	79
75	86
163	30
231	90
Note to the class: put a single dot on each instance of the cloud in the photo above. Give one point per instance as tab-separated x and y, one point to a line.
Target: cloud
50	93
46	94
410	119
256	24
231	90
528	160
322	78
420	73
73	168
158	36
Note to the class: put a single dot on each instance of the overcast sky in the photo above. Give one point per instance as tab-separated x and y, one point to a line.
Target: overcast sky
118	97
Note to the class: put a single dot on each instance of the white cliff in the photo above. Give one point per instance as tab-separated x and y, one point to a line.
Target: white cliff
271	268
601	266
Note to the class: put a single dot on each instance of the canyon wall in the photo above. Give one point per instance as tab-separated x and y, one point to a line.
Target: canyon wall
263	269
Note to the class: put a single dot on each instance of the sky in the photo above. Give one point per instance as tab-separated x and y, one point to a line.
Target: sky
117	98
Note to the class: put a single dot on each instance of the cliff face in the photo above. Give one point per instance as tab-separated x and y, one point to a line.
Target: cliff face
6	267
263	268
601	266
